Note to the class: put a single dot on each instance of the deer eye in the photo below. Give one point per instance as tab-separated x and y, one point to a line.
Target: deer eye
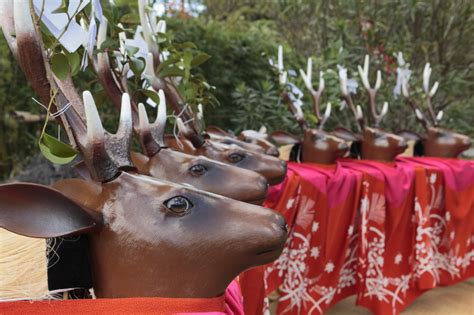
197	170
235	157
178	205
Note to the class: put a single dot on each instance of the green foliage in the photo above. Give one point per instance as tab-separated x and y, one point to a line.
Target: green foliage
343	31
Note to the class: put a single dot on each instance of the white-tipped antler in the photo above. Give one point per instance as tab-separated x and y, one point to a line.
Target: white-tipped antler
95	131
283	75
125	125
372	92
315	94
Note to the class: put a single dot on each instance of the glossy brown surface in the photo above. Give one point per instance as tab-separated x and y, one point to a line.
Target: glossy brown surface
273	169
203	173
268	147
145	245
317	146
148	237
245	140
439	142
380	145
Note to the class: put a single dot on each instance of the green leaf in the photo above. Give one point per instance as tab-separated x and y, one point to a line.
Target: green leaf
60	66
131	50
200	59
130	18
62	7
108	43
56	151
74	61
161	38
170	61
171	71
137	65
151	94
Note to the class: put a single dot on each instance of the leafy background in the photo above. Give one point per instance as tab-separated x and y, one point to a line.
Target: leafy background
241	36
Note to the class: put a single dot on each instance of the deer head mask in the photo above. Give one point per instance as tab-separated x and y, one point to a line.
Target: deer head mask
248	139
375	144
128	217
437	142
148	237
317	146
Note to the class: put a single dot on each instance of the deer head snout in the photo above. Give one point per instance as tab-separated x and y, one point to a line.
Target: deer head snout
283	224
466	141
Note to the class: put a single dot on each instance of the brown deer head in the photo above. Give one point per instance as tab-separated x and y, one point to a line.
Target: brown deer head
317	145
248	139
273	169
437	142
129	216
374	143
161	162
148	237
260	138
199	171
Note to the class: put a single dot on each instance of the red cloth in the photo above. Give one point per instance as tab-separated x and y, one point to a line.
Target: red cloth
228	304
386	232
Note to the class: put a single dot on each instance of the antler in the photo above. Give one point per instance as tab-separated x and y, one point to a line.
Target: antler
7	25
289	98
429	93
152	134
372	92
104	154
348	98
316	94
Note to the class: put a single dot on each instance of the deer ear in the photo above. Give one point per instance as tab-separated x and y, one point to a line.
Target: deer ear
409	135
214	130
346	134
283	137
40	211
139	160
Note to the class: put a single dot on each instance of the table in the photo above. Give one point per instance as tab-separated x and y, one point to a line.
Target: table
385	232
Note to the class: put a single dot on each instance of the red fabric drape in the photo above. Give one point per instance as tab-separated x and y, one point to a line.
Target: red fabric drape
386	232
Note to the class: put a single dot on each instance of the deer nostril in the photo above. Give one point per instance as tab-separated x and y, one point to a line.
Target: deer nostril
273	152
282	223
284	165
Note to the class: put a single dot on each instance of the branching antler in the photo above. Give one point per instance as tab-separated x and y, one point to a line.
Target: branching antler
105	154
152	134
288	97
357	112
429	93
316	94
7	25
372	92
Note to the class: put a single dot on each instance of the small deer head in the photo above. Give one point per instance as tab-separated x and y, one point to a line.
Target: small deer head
148	237
260	138
317	145
216	134
199	171
437	142
273	169
375	143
